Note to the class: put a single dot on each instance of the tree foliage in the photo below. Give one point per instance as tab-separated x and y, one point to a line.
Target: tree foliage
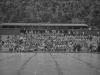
50	11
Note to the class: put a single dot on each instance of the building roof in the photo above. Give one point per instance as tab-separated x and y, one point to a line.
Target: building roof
40	24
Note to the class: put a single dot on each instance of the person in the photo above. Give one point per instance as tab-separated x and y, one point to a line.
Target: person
98	47
78	47
0	47
11	48
0	43
83	33
91	47
98	34
90	37
74	47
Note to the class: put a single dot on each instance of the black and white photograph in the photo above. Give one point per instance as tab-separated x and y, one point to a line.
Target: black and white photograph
49	37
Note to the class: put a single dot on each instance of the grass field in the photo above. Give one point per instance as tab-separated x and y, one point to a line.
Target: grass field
49	64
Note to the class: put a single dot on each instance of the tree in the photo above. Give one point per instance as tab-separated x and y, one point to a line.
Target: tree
52	11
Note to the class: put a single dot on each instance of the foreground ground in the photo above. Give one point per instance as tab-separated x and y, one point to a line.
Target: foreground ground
49	64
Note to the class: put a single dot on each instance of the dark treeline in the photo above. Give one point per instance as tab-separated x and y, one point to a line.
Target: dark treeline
50	11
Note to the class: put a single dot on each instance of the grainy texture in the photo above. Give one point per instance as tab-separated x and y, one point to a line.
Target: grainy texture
50	11
50	64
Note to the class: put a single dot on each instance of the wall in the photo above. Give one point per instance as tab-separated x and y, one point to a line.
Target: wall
86	31
9	31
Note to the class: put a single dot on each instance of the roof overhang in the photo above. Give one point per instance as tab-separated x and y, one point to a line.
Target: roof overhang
40	24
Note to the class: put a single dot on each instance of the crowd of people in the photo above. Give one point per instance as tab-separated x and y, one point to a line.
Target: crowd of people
49	42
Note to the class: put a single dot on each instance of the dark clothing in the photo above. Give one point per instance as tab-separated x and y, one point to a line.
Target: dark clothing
99	47
78	47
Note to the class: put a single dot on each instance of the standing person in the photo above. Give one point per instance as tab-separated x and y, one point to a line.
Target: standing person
99	47
83	33
98	34
78	47
91	37
0	44
74	47
69	32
